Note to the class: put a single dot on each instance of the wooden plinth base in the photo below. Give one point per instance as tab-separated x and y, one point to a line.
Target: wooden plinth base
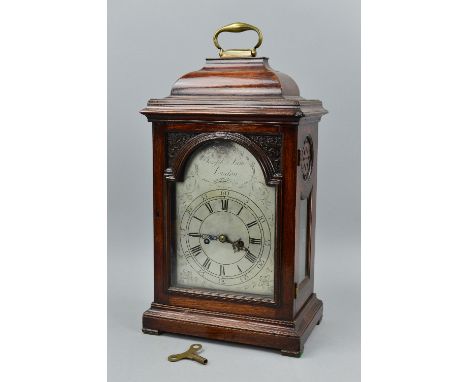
287	336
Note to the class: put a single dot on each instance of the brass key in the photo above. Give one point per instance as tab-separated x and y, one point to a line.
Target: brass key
191	353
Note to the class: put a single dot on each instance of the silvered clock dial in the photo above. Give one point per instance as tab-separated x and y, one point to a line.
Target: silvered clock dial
225	223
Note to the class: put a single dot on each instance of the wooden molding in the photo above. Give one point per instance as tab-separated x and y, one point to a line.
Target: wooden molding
287	336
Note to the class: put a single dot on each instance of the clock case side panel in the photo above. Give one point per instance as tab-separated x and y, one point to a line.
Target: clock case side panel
279	308
306	190
159	210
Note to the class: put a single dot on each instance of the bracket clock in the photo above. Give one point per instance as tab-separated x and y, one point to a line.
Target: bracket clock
235	182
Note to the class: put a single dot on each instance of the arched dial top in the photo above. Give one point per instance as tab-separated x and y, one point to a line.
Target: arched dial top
270	170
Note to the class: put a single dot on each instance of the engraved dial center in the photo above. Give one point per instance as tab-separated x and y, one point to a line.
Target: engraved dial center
226	237
229	227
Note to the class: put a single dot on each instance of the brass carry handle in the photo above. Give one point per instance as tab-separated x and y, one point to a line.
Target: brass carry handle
236	28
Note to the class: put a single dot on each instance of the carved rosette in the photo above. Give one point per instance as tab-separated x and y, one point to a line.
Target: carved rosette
270	144
306	158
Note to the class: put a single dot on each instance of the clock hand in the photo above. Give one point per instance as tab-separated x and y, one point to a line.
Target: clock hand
241	247
222	238
209	236
238	245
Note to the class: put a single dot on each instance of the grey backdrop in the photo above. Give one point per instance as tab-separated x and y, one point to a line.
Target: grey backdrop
151	44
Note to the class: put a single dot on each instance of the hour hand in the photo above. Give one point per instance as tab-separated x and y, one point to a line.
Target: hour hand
238	245
222	238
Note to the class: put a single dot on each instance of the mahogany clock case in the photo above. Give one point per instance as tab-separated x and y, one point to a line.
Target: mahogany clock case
247	102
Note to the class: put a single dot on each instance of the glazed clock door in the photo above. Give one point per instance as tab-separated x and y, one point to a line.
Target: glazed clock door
224	223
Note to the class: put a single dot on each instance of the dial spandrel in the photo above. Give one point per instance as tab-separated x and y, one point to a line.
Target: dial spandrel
225	223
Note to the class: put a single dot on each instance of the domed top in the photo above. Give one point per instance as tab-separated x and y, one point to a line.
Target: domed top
236	87
236	77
